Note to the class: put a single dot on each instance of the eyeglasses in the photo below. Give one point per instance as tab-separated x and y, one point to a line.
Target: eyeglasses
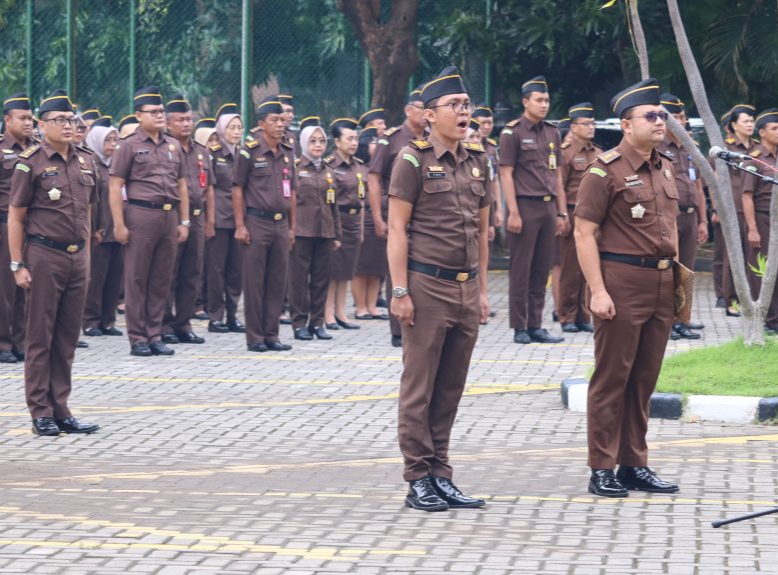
320	141
584	124
62	121
157	112
457	107
111	140
652	116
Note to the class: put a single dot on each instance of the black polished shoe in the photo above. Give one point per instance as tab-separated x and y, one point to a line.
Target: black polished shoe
169	338
541	335
189	337
260	347
344	324
521	336
492	313
554	317
202	314
695	325
140	349
383	316
303	334
8	356
19	354
93	332
603	482
277	346
236	327
285	319
218	327
682	330
46	426
397	341
72	425
449	493
332	326
111	331
159	348
674	336
422	496
643	479
721	302
319	332
732	311
570	328
585	327
82	344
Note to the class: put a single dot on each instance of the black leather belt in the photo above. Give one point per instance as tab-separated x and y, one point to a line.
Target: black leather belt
441	273
3	217
656	263
61	246
265	215
766	212
153	205
350	210
546	198
687	209
571	207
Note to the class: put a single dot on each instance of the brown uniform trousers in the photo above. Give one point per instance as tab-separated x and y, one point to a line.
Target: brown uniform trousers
687	238
187	279
755	282
719	253
309	279
12	297
105	285
572	284
224	275
729	283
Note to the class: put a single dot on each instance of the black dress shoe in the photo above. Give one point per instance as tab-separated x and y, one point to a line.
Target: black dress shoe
140	349
303	334
695	325
93	332
45	426
218	327
674	336
236	327
19	354
554	317
169	338
492	313
422	495
732	312
585	327
397	341
603	482
277	346
541	335
682	330
319	332
159	348
721	302
521	336
363	316
7	356
260	347
643	479
82	344
72	425
189	337
111	331
344	324
383	316
202	314
332	326
449	493
285	319
570	328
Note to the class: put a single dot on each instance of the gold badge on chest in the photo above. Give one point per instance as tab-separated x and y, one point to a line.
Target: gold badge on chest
476	173
668	174
638	212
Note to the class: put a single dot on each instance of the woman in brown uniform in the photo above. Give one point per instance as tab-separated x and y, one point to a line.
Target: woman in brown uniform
351	181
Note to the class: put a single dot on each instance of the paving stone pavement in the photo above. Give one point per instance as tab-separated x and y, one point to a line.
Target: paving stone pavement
218	460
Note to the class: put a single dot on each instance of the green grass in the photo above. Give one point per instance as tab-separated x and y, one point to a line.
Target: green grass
728	369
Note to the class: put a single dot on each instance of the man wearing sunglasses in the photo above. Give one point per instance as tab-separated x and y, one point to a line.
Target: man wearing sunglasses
53	190
627	239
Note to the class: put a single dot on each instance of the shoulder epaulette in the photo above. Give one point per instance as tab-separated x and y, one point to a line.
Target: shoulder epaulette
512	123
730	140
215	147
29	151
565	145
286	145
328	159
254	130
492	141
609	156
665	154
419	144
252	144
125	136
390	131
753	154
358	160
547	123
473	147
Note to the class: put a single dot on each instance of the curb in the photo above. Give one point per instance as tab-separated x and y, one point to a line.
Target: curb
725	408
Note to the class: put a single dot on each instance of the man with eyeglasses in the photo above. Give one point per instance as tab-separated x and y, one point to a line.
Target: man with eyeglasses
439	200
15	138
53	191
537	210
627	240
577	154
380	171
149	164
188	267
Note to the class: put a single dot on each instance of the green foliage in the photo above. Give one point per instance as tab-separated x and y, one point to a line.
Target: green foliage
761	265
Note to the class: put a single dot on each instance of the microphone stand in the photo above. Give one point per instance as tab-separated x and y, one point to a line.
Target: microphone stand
737	166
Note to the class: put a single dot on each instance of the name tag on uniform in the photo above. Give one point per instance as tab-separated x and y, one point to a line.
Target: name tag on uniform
9	155
142	152
528	141
634	184
303	174
340	173
260	164
49	173
436	174
579	160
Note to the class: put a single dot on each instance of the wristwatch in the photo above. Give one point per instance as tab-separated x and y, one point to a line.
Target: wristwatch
399	292
16	266
186	223
561	214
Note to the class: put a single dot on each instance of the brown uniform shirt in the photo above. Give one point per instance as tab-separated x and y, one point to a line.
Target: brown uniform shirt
685	170
150	170
316	218
10	150
195	162
103	219
350	178
261	174
447	191
386	150
223	166
736	176
533	151
762	191
635	202
575	160
56	191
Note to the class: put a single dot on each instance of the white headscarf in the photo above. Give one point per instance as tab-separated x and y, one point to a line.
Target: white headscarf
202	135
221	128
95	139
305	135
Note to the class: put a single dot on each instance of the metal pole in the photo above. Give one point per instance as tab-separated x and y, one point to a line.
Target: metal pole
69	49
367	83
131	75
246	105
28	39
487	61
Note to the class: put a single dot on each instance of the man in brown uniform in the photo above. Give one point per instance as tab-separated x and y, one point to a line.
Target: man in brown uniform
374	119
380	171
537	210
439	200
626	234
577	154
287	103
719	246
692	215
150	165
263	199
188	270
16	137
757	196
52	191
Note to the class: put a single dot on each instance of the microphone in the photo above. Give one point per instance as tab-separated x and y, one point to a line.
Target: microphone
717	152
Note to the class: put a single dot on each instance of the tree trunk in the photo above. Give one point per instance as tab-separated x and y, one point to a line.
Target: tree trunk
390	48
638	37
753	312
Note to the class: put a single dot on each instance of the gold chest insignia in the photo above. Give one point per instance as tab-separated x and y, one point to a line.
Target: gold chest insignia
476	173
638	212
668	175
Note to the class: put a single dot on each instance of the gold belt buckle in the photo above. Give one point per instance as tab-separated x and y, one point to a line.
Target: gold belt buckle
663	264
463	276
546	198
690	210
167	207
72	248
352	211
278	217
196	212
